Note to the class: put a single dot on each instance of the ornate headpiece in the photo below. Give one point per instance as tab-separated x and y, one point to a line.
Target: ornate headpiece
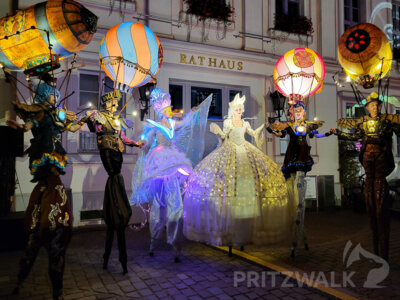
237	100
373	97
300	104
110	96
159	100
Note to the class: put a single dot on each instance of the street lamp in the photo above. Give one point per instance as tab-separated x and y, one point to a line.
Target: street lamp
144	92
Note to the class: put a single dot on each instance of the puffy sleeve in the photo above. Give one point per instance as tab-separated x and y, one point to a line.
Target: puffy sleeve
127	141
394	118
227	127
256	134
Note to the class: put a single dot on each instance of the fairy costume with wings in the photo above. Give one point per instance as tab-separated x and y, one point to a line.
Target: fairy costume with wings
163	167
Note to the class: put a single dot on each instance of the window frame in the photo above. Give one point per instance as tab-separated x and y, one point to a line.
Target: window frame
186	97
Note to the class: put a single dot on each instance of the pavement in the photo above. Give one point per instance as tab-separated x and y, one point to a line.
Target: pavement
210	273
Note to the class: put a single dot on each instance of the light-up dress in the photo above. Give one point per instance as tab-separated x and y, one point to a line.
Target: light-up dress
236	195
162	170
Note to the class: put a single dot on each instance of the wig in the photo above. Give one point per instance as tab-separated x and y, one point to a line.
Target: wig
43	92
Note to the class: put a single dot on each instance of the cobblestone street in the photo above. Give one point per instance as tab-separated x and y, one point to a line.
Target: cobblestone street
207	272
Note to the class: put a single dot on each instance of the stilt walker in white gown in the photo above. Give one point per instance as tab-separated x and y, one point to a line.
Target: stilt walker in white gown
237	194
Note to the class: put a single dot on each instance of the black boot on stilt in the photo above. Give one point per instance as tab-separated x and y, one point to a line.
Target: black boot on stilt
230	251
293	253
105	261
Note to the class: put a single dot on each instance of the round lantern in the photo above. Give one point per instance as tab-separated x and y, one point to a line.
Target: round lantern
131	55
25	36
299	73
365	54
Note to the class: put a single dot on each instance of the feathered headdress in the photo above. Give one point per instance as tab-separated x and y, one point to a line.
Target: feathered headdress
159	100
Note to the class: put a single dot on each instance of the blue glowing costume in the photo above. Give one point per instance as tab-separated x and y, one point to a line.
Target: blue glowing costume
163	168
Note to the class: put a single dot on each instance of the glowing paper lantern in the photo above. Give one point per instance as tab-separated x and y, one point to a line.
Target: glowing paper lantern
131	55
365	54
25	46
299	73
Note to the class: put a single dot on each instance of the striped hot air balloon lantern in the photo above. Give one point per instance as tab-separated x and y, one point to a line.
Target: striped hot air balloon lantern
131	55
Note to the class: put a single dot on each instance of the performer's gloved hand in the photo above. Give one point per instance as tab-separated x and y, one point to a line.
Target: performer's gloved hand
140	144
269	129
311	135
83	120
283	132
334	131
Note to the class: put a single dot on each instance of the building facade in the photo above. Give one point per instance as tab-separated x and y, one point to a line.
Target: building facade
210	56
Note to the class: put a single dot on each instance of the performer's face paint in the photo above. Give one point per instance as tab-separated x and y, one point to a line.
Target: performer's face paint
167	112
112	106
373	108
299	113
52	100
237	112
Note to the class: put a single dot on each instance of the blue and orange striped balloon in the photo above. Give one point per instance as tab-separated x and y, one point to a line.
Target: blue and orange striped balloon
131	55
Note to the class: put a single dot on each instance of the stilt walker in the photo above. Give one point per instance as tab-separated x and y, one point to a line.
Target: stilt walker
161	172
297	163
48	215
110	140
375	131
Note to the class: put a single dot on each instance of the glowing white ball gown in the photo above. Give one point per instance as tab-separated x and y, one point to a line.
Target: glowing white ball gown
237	194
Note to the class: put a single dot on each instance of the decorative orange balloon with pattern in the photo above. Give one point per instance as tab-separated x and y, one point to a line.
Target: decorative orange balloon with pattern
365	54
299	73
25	36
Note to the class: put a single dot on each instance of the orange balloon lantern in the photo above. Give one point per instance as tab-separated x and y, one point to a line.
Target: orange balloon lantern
365	54
25	36
131	55
299	73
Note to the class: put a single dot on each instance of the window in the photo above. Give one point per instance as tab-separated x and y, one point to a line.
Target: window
353	110
89	90
88	93
185	95
351	13
198	94
396	29
396	16
293	8
176	93
397	137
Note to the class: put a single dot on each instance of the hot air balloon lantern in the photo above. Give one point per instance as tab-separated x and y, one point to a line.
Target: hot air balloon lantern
65	24
299	73
131	55
365	54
